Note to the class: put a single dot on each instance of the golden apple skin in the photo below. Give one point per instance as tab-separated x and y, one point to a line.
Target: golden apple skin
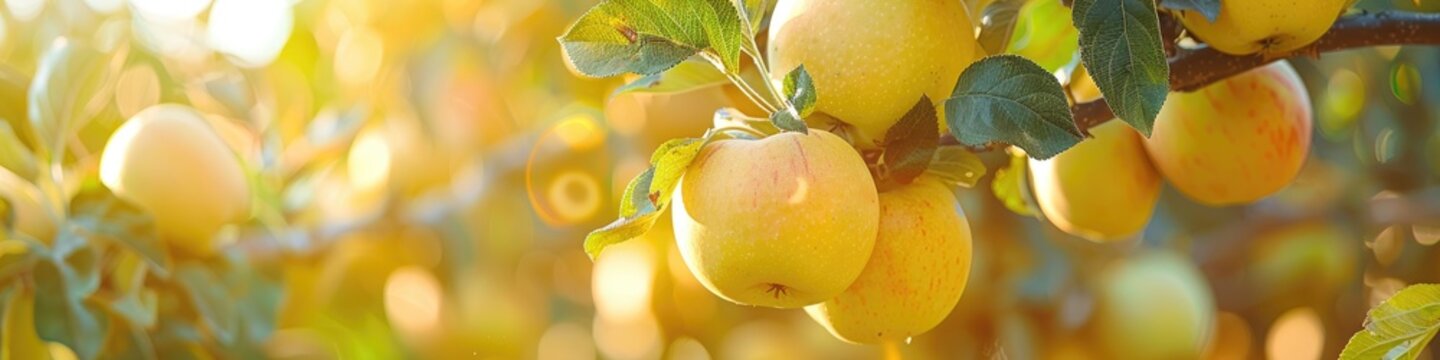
1237	140
915	275
785	221
170	162
1102	189
872	60
1153	306
1264	26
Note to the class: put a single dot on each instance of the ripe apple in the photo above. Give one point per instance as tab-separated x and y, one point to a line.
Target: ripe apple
872	60
1153	306
1265	26
1102	189
785	221
1237	140
170	162
915	275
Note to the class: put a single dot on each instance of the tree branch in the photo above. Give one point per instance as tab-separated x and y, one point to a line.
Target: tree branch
1193	69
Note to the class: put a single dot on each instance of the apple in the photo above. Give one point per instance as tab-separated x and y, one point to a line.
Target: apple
1302	262
1237	140
171	163
1153	305
1102	188
871	61
1265	26
916	273
785	221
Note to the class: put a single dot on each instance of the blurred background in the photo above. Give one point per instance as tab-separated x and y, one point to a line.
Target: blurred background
426	172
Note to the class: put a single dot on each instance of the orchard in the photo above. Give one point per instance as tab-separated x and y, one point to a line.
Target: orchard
719	179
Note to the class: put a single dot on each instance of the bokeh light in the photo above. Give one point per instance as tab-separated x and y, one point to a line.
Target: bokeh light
424	175
1297	335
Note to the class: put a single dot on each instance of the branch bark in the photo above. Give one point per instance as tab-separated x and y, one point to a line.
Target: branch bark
1193	69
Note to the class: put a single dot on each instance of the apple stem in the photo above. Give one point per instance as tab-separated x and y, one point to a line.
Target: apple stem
751	93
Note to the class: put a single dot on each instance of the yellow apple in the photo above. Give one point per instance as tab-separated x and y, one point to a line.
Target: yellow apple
785	221
915	275
1102	189
872	60
171	163
1153	306
1301	262
1237	140
1264	26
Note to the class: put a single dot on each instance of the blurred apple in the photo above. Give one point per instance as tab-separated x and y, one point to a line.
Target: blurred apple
170	162
1153	305
1303	262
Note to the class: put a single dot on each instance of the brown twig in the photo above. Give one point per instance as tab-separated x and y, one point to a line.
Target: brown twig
1192	69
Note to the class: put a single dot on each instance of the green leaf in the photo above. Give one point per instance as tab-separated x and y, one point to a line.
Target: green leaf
998	24
1400	327
207	292
650	36
721	19
637	195
1009	99
14	155
17	256
1044	34
799	91
128	298
95	211
670	162
910	144
134	343
1010	186
788	120
61	290
1209	8
640	209
176	334
956	166
687	76
67	81
1121	46
754	12
619	231
14	102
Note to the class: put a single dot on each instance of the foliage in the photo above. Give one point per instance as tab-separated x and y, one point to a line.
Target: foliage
1400	327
